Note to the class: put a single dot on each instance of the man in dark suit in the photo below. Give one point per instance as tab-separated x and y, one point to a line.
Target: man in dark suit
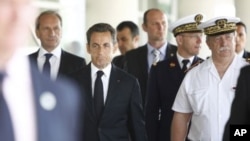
49	31
241	40
139	61
32	107
127	39
166	77
240	112
118	116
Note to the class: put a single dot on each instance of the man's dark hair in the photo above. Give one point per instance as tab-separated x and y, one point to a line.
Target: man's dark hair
48	12
101	27
131	25
242	24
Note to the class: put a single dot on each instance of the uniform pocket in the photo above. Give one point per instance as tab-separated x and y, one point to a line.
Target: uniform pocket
198	100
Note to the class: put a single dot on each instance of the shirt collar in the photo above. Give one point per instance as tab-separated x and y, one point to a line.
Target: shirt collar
162	49
56	52
180	58
106	70
241	53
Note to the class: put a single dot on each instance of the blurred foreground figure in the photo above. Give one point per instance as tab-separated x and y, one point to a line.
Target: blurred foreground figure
32	108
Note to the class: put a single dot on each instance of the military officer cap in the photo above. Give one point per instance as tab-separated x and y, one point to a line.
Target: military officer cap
219	25
187	24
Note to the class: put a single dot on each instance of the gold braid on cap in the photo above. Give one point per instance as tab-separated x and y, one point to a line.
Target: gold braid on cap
220	26
189	27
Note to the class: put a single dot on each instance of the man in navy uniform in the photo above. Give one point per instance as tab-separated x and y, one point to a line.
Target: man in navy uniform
166	77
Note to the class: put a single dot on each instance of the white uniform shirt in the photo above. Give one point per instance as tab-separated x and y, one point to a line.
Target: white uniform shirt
209	98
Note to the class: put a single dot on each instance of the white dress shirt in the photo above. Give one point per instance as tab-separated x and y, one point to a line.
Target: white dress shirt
54	60
18	93
105	79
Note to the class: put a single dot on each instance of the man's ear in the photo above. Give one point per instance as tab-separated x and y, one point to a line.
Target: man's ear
179	40
37	34
144	27
208	43
136	38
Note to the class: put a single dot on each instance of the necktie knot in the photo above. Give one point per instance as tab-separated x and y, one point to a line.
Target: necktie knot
99	74
156	52
48	56
156	56
185	62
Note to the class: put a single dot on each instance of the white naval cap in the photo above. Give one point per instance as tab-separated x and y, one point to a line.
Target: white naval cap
219	25
187	24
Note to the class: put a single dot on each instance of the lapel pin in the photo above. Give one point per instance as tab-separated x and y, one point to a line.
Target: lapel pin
47	101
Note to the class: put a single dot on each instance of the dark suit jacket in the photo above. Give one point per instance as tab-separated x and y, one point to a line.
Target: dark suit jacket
163	84
122	117
62	123
137	64
240	111
68	64
119	61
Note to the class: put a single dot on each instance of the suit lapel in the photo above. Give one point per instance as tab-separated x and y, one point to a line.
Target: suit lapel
86	82
170	51
33	59
63	61
144	61
113	82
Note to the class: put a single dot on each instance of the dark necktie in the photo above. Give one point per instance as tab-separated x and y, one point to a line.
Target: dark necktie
46	66
98	95
184	67
6	129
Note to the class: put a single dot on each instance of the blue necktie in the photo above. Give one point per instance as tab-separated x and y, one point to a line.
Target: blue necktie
6	129
46	66
98	95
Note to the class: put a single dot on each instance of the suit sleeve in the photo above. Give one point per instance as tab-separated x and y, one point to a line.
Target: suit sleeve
152	107
241	106
136	115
